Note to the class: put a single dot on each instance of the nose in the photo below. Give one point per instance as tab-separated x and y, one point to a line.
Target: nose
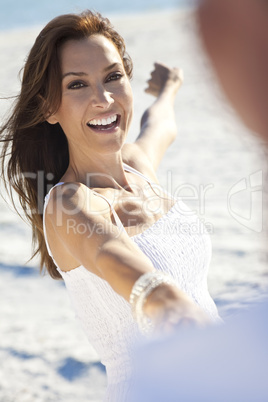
101	98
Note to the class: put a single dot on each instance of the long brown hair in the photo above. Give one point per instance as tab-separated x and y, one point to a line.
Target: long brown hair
37	152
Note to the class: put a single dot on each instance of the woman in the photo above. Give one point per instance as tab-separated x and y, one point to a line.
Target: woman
123	246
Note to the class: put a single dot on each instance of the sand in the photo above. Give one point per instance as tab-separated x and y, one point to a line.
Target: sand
215	164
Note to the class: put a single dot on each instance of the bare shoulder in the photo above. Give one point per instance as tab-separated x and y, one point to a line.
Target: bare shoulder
72	197
74	218
136	157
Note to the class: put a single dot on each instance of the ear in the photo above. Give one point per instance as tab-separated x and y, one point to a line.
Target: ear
48	116
52	119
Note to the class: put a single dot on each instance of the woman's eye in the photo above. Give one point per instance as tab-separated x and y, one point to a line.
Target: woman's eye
114	77
76	85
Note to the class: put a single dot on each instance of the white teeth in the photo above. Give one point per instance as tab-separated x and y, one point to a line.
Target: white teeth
103	122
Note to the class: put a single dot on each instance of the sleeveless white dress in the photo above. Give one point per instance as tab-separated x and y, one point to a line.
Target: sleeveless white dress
177	244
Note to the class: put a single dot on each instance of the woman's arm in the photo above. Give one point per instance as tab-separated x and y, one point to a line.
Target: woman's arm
78	223
158	125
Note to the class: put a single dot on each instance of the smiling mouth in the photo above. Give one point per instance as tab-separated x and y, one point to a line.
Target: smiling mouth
104	124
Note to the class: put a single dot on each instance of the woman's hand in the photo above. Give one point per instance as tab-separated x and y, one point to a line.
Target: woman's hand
164	78
168	308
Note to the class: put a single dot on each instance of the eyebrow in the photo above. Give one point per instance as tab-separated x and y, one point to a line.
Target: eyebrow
81	73
77	74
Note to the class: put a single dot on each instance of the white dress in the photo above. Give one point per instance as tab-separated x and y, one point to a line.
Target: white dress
176	244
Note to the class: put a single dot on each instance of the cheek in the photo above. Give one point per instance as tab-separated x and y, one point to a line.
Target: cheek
70	108
128	100
129	109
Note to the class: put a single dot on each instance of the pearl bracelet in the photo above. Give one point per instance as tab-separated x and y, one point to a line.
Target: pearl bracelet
142	288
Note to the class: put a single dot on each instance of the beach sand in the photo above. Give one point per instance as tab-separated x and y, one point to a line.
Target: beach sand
216	165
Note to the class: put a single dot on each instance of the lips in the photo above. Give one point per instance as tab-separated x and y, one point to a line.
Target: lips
104	124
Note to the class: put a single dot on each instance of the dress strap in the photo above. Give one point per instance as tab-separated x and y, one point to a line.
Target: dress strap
44	225
151	182
118	222
136	172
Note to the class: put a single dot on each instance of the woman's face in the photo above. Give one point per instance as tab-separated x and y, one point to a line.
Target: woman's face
96	106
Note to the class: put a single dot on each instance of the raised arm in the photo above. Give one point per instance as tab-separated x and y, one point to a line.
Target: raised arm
158	125
78	224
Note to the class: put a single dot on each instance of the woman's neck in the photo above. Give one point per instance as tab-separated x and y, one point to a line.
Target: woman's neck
99	171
